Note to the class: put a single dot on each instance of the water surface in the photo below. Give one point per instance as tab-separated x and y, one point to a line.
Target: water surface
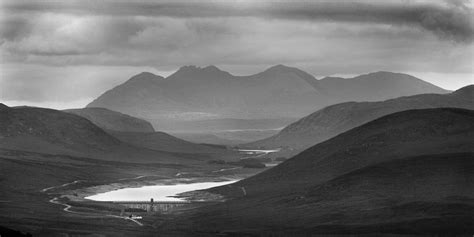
157	192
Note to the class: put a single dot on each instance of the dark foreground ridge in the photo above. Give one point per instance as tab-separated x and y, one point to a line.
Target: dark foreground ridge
408	172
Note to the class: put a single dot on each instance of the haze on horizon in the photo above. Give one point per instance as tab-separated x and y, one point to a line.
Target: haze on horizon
62	54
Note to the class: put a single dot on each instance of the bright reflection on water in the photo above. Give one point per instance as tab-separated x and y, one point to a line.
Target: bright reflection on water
157	192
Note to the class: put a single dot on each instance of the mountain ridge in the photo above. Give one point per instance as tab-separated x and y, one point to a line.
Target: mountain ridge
111	120
195	93
51	131
412	130
332	120
141	133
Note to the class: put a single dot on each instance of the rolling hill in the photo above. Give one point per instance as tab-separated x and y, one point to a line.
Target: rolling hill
111	120
375	86
54	132
140	133
333	120
280	92
407	172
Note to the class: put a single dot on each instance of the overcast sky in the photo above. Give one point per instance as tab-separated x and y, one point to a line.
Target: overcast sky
63	54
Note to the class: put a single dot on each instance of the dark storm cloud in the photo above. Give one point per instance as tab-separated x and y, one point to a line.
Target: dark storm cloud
452	23
448	19
14	28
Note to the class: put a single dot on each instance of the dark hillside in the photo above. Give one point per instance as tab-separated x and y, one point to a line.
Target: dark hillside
333	120
407	172
111	120
55	132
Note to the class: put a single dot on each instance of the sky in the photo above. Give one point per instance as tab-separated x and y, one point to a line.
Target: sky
63	54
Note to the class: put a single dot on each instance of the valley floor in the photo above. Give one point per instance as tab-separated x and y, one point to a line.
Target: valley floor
43	194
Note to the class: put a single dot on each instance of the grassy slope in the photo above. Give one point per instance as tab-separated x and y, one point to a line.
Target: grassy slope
276	197
56	132
111	120
140	133
333	120
403	134
23	206
423	194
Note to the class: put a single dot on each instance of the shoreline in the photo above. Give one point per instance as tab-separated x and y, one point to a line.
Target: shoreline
75	202
73	195
80	195
161	191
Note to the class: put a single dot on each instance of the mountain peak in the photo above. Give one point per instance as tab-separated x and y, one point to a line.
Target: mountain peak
146	76
389	75
284	70
211	68
188	68
191	71
279	68
467	90
383	72
196	68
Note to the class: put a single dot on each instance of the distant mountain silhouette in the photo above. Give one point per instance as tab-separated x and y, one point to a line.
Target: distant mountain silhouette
56	132
405	172
111	120
194	93
333	120
376	86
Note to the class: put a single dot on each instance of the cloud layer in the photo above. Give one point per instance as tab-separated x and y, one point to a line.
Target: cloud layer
322	37
450	19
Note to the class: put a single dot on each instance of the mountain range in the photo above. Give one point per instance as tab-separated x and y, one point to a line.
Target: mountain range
280	92
335	119
383	153
407	172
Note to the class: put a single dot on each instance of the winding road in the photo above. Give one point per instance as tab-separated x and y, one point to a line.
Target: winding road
67	207
61	186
